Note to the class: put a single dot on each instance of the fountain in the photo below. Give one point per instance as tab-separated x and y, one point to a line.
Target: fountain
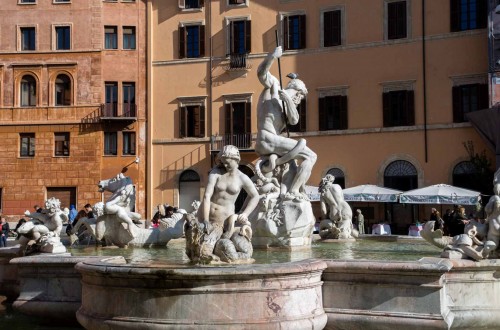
311	289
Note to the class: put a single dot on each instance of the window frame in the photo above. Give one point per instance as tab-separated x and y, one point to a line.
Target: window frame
69	90
387	23
55	45
339	96
129	144
184	39
129	38
35	97
64	149
302	33
27	2
108	151
456	16
114	35
113	105
182	5
342	25
61	2
31	145
239	3
21	38
199	120
458	94
247	34
129	106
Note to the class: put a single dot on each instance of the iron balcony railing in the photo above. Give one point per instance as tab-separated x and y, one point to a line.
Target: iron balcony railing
238	61
110	110
241	141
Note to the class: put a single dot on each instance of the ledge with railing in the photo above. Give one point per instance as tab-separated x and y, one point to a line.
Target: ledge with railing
241	141
118	111
237	62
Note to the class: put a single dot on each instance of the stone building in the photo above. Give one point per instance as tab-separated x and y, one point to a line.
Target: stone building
389	85
72	100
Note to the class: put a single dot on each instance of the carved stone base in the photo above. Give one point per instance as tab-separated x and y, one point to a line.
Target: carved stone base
54	245
288	224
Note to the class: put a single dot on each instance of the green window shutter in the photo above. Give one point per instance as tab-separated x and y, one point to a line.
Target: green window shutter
202	40
182	42
182	122
302	24
202	121
248	36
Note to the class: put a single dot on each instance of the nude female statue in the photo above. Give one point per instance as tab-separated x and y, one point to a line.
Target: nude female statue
217	208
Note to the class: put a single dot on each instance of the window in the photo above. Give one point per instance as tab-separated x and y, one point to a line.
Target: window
401	175
399	108
339	176
469	98
110	143
468	15
190	4
63	37
397	20
61	144
237	2
28	38
63	90
27	1
28	91
129	99
301	125
128	143
110	37
111	95
240	37
192	121
27	148
333	112
62	1
294	28
66	195
238	124
192	41
332	28
129	37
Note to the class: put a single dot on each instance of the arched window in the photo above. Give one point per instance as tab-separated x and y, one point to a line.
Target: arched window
189	189
28	91
464	175
62	90
401	175
339	176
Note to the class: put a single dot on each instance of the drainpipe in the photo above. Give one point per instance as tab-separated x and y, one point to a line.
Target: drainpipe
209	105
424	82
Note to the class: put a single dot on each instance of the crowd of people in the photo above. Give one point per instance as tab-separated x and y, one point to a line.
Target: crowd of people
453	222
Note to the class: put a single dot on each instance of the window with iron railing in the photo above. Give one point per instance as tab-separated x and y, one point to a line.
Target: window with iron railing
128	109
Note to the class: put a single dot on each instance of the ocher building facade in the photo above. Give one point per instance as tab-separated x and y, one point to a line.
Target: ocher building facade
72	100
389	85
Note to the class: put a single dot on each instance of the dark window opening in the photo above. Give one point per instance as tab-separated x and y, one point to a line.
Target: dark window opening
128	143
396	20
192	121
332	29
294	32
27	148
61	144
333	112
62	90
110	143
399	108
469	98
63	38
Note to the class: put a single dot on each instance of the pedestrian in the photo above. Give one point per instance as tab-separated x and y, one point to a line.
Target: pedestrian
436	217
21	222
4	229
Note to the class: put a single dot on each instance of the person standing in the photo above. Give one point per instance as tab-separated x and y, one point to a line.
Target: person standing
361	222
5	232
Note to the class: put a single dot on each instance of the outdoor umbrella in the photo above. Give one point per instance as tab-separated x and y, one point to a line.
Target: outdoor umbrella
371	193
440	194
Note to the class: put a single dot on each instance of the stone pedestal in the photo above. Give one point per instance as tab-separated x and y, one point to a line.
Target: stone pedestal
290	224
9	281
278	296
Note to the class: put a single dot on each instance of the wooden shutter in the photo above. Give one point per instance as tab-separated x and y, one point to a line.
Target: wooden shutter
483	97
303	115
202	40
302	27
336	28
182	4
386	106
248	117
201	120
248	36
286	37
454	15
482	14
182	121
322	113
202	3
228	119
410	108
456	92
182	42
343	112
392	20
328	29
231	38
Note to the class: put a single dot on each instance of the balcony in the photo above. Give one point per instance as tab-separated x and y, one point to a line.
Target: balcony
243	142
238	62
110	112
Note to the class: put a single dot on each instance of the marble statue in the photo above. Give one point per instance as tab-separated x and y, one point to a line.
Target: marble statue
213	237
121	200
284	216
336	212
42	232
479	241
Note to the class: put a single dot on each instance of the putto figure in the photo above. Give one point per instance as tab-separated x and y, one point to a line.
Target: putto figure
271	121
